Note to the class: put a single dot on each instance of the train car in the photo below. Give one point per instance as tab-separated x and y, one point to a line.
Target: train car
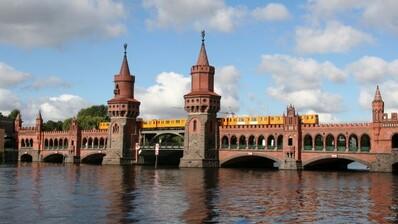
103	125
309	119
171	123
276	119
263	120
149	124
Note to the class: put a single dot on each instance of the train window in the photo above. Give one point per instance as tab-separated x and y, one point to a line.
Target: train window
253	119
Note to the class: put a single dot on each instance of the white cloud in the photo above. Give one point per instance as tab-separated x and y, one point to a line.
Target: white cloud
299	81
8	101
50	82
9	76
378	14
179	14
373	69
325	117
227	85
54	108
165	99
334	38
271	12
31	23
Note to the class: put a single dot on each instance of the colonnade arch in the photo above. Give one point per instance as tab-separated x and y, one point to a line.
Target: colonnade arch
26	143
94	142
271	142
56	143
339	142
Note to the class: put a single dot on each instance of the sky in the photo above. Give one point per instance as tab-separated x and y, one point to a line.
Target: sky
322	56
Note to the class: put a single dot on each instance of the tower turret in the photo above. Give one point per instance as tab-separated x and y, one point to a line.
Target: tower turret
377	106
202	105
123	110
39	122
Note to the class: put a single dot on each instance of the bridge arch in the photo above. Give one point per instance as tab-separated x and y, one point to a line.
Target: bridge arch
168	138
326	162
26	158
93	158
256	160
54	158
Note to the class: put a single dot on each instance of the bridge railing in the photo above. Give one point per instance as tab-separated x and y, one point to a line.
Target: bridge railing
162	147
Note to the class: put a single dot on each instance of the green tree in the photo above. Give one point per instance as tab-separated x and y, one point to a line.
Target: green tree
14	113
53	125
89	118
66	124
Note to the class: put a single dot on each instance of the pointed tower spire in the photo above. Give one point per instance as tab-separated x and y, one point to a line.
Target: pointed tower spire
202	59
125	70
378	95
39	117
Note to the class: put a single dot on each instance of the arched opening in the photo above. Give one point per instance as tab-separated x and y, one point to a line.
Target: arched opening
307	142
341	143
394	141
318	142
252	142
22	143
365	143
51	143
90	143
31	143
395	168
261	142
242	142
330	143
61	143
353	143
54	158
271	142
65	143
234	142
46	143
194	125
336	164
279	142
101	142
95	159
84	143
224	142
56	143
250	162
168	139
26	158
96	143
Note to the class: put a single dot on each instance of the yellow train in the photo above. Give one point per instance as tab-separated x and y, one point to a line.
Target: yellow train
246	120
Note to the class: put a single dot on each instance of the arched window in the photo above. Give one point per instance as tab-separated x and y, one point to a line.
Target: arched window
394	141
46	143
319	142
330	145
234	142
90	142
353	143
55	143
61	143
194	125
95	142
252	142
224	142
279	142
365	143
51	143
242	142
271	142
66	143
84	143
341	142
307	142
31	143
101	142
261	142
26	143
22	142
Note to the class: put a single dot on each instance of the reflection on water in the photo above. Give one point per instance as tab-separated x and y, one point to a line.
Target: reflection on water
49	193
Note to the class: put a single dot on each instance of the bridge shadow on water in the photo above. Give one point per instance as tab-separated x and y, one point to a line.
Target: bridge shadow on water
251	162
336	164
166	158
94	159
54	158
395	168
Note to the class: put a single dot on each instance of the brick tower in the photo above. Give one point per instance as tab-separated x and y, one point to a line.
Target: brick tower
378	140
202	105
123	110
38	130
292	140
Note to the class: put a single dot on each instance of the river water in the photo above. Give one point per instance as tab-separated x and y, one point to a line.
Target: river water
51	193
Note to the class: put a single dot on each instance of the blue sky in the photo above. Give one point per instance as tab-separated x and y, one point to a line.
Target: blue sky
323	56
